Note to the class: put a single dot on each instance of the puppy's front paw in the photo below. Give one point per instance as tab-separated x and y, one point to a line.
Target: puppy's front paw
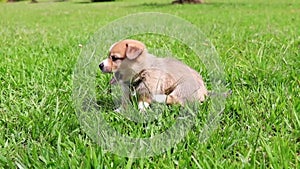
118	110
143	106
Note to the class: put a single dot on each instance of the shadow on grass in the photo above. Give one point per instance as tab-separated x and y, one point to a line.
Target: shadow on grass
83	2
219	4
91	2
161	5
152	4
215	4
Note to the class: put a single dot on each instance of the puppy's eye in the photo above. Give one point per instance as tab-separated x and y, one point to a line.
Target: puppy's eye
114	58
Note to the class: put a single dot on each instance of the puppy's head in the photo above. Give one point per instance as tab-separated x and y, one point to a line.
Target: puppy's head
121	54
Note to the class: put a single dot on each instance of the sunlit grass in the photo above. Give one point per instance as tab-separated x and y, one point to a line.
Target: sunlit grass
258	42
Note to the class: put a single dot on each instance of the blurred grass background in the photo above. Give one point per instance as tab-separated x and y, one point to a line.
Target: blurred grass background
258	41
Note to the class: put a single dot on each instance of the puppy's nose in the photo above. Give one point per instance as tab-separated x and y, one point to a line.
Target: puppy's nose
101	66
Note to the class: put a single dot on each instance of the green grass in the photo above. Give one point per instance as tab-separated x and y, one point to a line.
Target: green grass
258	41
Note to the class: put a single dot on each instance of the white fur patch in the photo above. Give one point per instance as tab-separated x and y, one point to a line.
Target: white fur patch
160	98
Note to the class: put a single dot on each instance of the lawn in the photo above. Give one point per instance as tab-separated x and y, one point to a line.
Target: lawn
257	41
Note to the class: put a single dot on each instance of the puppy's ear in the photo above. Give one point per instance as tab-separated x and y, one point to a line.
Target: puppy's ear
133	51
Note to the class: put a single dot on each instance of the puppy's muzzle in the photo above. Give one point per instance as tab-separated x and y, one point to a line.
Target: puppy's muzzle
104	68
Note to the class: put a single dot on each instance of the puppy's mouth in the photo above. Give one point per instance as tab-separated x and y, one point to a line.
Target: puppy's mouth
117	76
105	70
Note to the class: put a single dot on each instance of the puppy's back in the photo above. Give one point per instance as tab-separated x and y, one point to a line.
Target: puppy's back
190	85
